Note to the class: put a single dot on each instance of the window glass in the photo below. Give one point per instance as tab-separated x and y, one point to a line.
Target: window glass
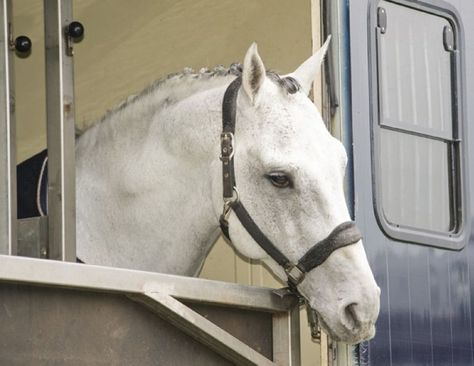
415	181
415	77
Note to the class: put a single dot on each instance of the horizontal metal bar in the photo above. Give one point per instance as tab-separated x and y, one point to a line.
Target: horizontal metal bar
202	329
418	133
108	279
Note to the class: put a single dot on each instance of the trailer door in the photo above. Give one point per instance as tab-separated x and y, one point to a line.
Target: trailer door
412	92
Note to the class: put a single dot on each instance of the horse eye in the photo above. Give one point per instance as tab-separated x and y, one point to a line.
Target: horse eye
280	179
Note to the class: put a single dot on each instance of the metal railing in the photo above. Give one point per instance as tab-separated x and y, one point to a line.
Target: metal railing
163	294
60	132
8	241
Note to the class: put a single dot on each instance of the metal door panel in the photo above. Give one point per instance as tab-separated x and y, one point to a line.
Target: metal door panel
397	265
420	311
461	308
440	307
52	326
426	314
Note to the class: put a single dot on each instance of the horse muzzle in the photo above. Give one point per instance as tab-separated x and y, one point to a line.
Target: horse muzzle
355	318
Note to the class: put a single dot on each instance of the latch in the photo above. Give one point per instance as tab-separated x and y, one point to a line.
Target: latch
382	19
448	39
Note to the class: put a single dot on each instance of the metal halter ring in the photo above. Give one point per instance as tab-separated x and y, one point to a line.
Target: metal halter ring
228	202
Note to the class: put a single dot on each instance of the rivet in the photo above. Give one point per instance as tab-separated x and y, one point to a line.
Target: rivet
43	252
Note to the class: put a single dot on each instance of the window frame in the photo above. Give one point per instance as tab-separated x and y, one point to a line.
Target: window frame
458	237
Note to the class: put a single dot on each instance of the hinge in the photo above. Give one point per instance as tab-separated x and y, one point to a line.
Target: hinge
382	19
448	39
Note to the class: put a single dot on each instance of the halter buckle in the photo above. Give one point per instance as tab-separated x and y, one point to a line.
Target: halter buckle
295	275
227	147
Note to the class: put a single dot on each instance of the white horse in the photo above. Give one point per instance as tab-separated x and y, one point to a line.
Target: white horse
149	185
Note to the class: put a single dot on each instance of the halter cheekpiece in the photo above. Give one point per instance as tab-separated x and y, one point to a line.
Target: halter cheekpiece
343	235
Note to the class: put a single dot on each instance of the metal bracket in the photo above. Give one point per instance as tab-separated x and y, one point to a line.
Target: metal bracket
448	39
382	19
11	42
69	43
313	323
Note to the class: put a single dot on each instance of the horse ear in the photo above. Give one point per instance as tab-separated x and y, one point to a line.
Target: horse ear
253	73
308	70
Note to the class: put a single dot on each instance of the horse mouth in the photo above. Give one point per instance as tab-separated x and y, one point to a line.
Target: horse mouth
347	335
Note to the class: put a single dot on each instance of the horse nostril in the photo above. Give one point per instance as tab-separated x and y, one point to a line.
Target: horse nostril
351	315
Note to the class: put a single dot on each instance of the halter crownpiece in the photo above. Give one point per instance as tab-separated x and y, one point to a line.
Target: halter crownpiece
342	235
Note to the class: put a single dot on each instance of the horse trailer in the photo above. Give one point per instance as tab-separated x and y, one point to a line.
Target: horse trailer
411	98
397	90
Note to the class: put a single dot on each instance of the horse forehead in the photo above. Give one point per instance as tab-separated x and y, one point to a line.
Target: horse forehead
301	136
291	117
291	126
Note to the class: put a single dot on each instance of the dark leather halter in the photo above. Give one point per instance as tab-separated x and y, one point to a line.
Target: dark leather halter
342	235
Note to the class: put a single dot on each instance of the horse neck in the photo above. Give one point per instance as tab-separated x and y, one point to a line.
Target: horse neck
156	174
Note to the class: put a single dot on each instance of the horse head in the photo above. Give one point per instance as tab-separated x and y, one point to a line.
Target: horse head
289	172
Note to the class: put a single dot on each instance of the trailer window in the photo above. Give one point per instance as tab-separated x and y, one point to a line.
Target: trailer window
416	138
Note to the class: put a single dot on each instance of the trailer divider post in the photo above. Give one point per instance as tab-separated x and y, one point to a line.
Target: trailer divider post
8	213
60	128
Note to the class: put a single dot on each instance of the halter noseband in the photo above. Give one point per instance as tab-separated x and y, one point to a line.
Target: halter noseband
342	235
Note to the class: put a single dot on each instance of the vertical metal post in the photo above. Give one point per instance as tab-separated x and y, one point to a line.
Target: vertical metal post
8	242
286	338
60	127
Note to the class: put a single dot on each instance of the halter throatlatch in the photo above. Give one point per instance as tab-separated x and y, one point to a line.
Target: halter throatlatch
343	235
